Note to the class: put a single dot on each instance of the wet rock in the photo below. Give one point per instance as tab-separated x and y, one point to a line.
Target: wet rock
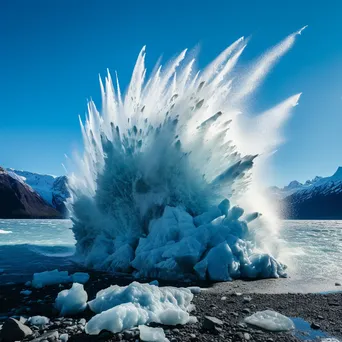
314	326
247	299
14	330
193	337
246	311
130	334
50	336
210	323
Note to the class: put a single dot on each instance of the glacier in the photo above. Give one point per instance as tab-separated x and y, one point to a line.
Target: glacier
165	165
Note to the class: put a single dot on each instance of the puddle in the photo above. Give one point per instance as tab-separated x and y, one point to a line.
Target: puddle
305	332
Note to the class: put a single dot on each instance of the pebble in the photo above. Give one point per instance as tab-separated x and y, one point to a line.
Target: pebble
247	299
337	284
315	326
193	337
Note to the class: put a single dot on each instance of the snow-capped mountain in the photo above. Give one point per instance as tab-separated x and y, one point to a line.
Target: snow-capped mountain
19	200
52	189
42	184
319	198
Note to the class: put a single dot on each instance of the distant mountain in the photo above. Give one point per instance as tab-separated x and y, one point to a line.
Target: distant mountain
319	198
60	194
52	189
19	200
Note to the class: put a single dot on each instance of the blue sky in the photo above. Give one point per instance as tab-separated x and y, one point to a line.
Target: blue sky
53	50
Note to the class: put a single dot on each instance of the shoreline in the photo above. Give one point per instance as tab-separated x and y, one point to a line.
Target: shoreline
229	302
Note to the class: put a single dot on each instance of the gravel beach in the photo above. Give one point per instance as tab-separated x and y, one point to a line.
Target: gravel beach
220	310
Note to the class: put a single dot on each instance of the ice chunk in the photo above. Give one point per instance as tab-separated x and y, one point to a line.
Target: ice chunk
80	277
194	289
25	292
154	282
39	320
221	264
49	278
73	301
152	334
125	307
58	277
209	216
270	320
121	317
64	337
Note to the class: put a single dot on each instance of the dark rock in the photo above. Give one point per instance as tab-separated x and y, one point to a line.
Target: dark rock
130	334
210	323
49	336
246	311
314	326
337	284
14	330
247	299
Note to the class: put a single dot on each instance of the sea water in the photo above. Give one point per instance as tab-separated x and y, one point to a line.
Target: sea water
312	249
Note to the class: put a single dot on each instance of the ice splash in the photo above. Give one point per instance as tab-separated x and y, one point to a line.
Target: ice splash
159	158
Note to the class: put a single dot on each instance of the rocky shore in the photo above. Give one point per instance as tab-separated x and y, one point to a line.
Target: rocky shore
220	315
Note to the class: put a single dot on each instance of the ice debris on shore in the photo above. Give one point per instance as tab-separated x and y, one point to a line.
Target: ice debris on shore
152	334
57	277
124	307
270	320
38	320
73	301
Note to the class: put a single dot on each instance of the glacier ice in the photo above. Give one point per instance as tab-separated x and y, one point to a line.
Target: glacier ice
152	334
155	192
270	320
80	277
119	308
73	301
58	277
50	278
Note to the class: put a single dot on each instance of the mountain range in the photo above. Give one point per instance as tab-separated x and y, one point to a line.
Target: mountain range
25	194
319	198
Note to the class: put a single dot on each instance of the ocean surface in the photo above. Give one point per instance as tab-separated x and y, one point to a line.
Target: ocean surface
311	249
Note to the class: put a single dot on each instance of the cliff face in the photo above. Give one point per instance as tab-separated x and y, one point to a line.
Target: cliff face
18	200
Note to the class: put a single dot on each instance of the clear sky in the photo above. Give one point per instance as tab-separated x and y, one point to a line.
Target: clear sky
51	52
